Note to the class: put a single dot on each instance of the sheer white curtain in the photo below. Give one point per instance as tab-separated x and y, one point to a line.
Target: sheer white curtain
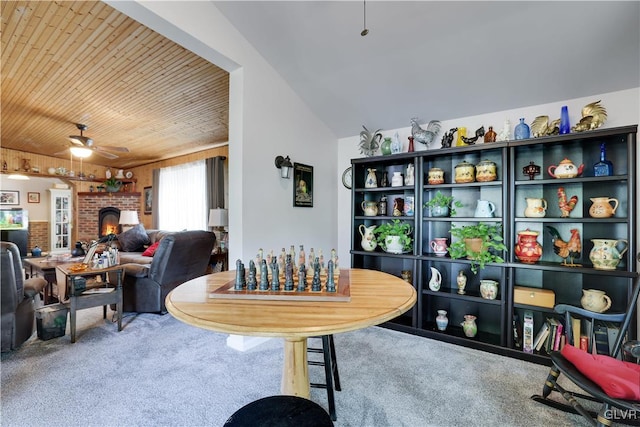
182	201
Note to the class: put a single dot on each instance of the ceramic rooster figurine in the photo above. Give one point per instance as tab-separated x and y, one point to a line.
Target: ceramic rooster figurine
571	249
566	206
424	136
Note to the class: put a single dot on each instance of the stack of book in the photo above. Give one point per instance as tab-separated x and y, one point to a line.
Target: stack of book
597	338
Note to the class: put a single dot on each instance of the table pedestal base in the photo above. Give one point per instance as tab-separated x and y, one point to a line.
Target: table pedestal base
295	373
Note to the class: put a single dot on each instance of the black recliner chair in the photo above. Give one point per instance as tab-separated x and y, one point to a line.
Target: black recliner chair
18	298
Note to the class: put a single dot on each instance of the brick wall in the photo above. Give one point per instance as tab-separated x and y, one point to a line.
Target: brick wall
89	205
39	235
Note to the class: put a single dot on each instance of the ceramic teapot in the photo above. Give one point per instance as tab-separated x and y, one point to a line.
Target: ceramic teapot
601	207
536	208
595	300
368	241
565	169
369	208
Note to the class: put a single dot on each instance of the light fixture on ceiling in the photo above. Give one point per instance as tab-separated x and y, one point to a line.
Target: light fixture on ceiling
364	18
80	152
285	166
81	139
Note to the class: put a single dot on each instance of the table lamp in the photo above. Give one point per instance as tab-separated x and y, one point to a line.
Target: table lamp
128	219
218	219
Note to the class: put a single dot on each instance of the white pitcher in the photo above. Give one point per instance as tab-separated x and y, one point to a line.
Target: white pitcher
368	241
485	209
436	280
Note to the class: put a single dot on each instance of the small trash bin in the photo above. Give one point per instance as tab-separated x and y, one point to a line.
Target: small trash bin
51	321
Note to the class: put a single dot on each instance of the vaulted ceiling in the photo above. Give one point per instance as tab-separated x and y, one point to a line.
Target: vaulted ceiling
65	63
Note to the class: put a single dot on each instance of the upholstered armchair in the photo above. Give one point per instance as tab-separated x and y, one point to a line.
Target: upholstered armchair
18	298
180	257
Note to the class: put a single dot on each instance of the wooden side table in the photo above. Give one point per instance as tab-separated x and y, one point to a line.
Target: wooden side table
220	257
96	293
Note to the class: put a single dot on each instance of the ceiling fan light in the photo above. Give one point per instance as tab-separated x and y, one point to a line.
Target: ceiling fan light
81	152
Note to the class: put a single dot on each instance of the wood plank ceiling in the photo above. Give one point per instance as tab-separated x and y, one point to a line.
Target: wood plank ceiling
64	63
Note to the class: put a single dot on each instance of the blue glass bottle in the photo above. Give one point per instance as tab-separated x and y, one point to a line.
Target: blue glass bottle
565	126
604	167
522	130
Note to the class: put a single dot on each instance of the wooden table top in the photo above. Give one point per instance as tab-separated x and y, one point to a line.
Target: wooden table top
375	298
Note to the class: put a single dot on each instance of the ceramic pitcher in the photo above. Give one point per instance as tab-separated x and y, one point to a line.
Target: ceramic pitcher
536	208
485	209
369	208
436	280
601	207
439	246
605	254
595	300
368	241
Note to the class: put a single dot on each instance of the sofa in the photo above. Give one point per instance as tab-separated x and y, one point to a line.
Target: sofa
179	257
18	298
133	244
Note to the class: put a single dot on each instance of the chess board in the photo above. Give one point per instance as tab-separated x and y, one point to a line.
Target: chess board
342	293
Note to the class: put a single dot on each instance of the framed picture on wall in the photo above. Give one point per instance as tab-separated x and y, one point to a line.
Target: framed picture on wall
148	200
302	185
8	197
33	197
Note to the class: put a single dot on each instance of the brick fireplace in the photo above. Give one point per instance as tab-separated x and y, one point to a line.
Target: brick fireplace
90	204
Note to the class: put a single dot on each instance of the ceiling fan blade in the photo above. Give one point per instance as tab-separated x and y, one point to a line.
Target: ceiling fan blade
105	154
111	148
74	139
60	153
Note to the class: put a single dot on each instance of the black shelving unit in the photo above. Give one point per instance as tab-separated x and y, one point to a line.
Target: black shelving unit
508	193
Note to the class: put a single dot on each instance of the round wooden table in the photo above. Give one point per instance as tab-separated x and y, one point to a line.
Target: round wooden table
375	298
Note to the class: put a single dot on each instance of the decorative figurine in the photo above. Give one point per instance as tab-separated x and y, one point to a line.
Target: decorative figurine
566	250
540	126
505	133
490	136
424	136
447	138
409	176
532	170
566	206
369	141
396	145
593	116
472	140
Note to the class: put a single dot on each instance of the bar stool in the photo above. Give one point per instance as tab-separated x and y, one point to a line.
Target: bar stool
280	411
332	378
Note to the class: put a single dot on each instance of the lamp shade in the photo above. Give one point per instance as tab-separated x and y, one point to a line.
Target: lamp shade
218	217
129	218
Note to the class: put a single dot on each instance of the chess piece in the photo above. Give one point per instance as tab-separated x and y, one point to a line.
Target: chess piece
334	258
288	274
252	284
264	277
302	278
331	284
321	259
301	257
292	252
239	269
316	286
275	278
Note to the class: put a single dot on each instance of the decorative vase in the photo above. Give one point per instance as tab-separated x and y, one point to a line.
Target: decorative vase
565	126
603	167
436	280
396	179
396	145
398	206
601	207
385	147
469	326
409	202
440	211
536	207
36	251
382	206
439	246
490	135
409	176
527	249
461	281
522	130
442	320
488	289
78	251
371	181
368	241
595	300
605	254
410	149
462	131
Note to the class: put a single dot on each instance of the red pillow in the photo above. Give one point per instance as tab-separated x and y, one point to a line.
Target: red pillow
151	249
618	379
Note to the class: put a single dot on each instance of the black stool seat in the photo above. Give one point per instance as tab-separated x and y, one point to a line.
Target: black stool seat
280	411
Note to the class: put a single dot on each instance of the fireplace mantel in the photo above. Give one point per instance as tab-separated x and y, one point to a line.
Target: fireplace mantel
108	194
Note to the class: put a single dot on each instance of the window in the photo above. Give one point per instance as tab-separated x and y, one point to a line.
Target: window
182	201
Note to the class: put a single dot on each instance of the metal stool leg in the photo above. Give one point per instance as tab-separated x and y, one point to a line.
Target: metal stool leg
334	364
330	369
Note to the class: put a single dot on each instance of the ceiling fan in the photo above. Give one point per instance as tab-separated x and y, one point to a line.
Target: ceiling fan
86	142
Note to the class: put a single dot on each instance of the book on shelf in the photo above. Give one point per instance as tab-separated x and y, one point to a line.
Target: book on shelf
517	332
601	338
575	330
556	341
587	332
553	327
543	333
584	343
613	331
527	332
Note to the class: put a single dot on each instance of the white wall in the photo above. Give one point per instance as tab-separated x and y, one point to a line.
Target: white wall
267	119
37	211
623	108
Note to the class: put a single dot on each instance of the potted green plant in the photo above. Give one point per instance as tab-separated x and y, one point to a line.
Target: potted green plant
395	236
481	243
442	206
112	185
